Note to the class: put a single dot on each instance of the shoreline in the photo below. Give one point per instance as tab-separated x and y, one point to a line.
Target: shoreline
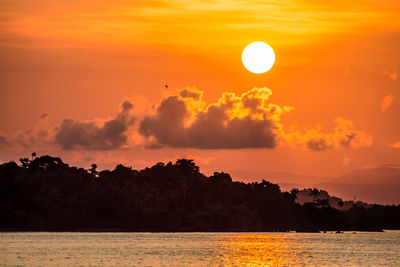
110	230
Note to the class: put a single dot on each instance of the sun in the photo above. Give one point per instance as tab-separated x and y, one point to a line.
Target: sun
258	57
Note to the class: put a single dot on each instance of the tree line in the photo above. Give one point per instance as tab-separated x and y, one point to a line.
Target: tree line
46	194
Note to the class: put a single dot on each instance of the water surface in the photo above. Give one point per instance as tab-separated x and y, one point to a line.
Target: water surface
199	249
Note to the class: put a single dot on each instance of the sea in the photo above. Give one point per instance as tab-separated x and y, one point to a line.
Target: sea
200	249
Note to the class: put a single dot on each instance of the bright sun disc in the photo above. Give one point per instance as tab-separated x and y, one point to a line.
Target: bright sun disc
258	57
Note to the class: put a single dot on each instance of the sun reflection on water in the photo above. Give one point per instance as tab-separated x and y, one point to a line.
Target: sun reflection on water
258	250
199	249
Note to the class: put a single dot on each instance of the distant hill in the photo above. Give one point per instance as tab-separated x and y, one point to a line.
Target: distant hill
380	184
384	174
306	196
371	193
376	184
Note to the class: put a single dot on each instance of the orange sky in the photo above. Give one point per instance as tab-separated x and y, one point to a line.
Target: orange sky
337	66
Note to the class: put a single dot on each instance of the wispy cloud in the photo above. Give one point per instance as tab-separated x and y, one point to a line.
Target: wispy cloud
346	161
386	102
391	73
194	23
345	135
396	144
3	140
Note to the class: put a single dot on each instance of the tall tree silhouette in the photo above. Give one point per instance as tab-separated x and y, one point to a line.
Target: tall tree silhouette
293	193
315	193
93	169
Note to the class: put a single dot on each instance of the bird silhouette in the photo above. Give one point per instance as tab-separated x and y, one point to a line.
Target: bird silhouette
166	86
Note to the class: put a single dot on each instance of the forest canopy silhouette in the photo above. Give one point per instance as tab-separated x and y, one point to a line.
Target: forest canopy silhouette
44	193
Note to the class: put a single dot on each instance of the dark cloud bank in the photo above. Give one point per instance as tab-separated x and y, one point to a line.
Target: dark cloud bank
184	120
76	134
210	129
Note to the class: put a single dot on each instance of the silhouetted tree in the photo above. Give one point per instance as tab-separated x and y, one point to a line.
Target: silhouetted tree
293	193
47	194
315	193
24	162
93	169
323	202
187	166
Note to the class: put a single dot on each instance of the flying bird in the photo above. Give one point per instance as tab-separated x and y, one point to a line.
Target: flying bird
166	86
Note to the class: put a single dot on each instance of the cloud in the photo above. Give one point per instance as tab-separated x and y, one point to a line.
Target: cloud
233	122
393	165
37	136
183	120
392	74
386	102
91	136
97	134
191	92
3	140
345	135
346	161
396	144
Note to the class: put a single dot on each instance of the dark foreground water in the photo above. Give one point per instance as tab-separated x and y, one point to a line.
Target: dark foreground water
199	249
